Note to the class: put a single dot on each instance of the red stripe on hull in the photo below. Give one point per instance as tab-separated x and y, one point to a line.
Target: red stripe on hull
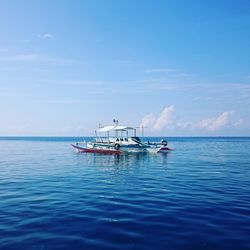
96	150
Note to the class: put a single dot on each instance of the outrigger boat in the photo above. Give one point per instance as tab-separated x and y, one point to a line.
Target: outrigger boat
117	140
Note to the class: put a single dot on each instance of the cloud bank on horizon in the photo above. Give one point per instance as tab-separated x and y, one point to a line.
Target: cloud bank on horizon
167	119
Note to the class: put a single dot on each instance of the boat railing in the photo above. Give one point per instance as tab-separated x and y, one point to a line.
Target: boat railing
102	140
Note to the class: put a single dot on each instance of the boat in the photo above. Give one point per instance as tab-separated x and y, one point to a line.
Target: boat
116	139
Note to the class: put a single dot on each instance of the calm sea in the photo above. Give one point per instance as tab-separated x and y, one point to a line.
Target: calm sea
196	197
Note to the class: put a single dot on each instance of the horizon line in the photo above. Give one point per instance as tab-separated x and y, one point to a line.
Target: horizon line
72	136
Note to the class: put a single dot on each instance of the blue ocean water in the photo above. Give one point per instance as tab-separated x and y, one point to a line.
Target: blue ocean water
196	197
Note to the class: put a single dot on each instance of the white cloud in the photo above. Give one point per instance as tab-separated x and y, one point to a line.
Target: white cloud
45	36
166	120
148	120
39	58
185	75
59	101
160	70
159	122
215	123
199	98
27	58
238	123
124	62
83	82
25	41
184	125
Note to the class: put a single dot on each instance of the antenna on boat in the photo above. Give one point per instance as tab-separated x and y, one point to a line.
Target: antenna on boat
115	121
142	131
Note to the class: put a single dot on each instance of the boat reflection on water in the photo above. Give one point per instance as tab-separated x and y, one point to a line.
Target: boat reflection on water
125	160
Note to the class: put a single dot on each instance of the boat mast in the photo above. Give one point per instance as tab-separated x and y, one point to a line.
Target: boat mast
142	132
116	124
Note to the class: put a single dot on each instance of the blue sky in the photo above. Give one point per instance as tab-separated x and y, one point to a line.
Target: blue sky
180	68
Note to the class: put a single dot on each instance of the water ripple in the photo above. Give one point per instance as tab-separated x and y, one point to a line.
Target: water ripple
193	198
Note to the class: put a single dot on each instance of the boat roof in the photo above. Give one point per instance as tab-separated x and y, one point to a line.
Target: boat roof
106	128
115	128
122	128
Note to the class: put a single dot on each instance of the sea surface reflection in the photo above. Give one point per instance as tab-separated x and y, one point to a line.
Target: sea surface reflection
195	197
124	160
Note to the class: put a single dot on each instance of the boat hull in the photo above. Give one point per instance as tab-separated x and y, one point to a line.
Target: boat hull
95	150
159	150
103	150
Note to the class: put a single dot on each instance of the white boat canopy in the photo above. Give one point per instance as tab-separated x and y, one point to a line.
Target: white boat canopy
115	128
122	128
106	128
